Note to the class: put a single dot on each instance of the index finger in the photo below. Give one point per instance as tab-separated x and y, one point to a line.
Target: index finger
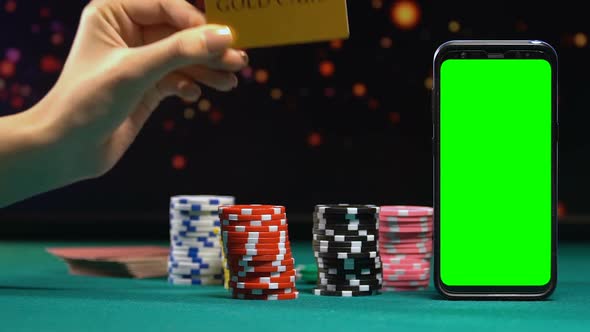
177	13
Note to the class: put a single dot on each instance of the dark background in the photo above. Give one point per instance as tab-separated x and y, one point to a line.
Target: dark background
294	133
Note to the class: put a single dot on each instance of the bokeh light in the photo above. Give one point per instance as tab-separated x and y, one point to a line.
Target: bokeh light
327	68
373	104
204	105
44	12
561	209
57	26
7	68
168	125
13	55
57	39
580	40
377	4
329	92
189	113
386	42
276	94
395	117
405	14
215	116
50	64
314	139
454	26
247	72
17	102
359	90
25	90
10	6
179	162
428	82
336	44
261	76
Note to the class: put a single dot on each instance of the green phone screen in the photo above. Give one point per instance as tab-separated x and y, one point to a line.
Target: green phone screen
495	172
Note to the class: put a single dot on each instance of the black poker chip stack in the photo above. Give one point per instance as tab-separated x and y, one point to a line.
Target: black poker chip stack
346	248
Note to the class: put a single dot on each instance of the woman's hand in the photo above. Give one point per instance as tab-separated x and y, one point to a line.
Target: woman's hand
128	55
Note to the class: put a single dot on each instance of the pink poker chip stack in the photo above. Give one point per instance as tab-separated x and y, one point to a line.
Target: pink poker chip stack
405	245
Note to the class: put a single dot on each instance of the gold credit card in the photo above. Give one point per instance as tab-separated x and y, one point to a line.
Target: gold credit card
264	23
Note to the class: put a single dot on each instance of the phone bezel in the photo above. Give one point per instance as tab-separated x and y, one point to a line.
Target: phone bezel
494	49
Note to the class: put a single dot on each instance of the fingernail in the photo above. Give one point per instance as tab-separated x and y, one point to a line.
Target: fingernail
245	57
218	39
235	85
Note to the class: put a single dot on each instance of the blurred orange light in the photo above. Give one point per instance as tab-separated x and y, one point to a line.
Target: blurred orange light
276	94
428	83
179	162
204	105
57	39
580	40
386	42
377	4
327	68
336	44
405	14
7	68
261	76
359	89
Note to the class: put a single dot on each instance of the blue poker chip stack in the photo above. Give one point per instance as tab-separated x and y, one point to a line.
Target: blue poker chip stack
195	245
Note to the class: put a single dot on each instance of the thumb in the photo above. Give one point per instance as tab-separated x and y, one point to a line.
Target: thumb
186	47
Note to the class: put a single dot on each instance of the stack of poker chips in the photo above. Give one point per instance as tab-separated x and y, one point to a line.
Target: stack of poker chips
346	248
406	246
258	252
195	247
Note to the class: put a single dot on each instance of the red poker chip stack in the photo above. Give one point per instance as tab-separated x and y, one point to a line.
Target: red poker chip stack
405	244
257	252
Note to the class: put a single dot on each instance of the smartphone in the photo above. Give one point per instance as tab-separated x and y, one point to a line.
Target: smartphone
495	133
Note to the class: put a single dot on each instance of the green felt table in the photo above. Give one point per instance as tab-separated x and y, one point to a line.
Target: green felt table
37	294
